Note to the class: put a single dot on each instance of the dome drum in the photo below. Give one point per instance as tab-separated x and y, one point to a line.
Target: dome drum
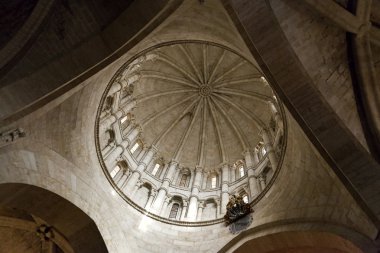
191	124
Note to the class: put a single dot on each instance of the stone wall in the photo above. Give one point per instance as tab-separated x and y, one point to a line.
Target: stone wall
322	49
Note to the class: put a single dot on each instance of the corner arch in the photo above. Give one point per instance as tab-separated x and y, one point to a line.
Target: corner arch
76	226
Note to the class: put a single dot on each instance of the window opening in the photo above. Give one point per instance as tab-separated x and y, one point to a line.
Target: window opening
241	171
183	181
174	211
115	171
134	148
155	169
125	118
213	182
245	198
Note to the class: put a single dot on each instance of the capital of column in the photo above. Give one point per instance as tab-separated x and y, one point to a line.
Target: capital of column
261	177
194	196
163	188
198	169
167	198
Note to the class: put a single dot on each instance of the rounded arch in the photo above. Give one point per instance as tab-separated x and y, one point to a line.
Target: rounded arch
301	236
300	241
76	226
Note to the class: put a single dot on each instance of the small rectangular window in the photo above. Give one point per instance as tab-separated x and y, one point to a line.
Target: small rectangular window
174	211
155	169
134	148
213	182
245	199
115	171
124	119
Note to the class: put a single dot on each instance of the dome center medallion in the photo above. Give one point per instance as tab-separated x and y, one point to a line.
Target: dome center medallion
205	90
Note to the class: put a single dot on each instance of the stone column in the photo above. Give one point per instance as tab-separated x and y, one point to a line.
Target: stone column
193	203
140	168
157	204
277	116
204	180
132	135
111	119
110	160
261	178
165	206
200	211
224	195
150	200
269	149
108	149
183	213
136	187
251	162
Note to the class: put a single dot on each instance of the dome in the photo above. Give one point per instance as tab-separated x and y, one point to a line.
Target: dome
190	107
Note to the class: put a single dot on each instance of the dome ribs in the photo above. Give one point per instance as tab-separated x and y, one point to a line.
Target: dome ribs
246	94
218	132
216	67
155	115
177	66
230	70
254	118
205	69
160	76
233	124
202	136
239	81
184	137
190	59
142	98
171	125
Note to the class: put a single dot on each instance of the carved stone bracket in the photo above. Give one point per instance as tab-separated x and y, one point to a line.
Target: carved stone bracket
11	136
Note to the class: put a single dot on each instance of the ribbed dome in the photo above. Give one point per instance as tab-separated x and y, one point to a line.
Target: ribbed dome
199	104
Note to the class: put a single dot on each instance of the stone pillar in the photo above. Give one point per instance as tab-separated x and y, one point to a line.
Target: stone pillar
277	116
269	149
150	200
116	86
108	149
193	203
132	135
251	162
110	160
137	186
224	193
218	209
140	168
232	174
204	180
262	181
200	211
157	205
165	206
184	208
111	119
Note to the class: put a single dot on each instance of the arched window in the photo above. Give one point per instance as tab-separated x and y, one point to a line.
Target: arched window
245	198
213	181
135	147
183	181
108	103
174	211
115	171
155	169
124	119
263	151
183	178
241	171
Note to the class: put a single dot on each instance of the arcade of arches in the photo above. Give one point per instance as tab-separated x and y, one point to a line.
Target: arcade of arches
125	126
